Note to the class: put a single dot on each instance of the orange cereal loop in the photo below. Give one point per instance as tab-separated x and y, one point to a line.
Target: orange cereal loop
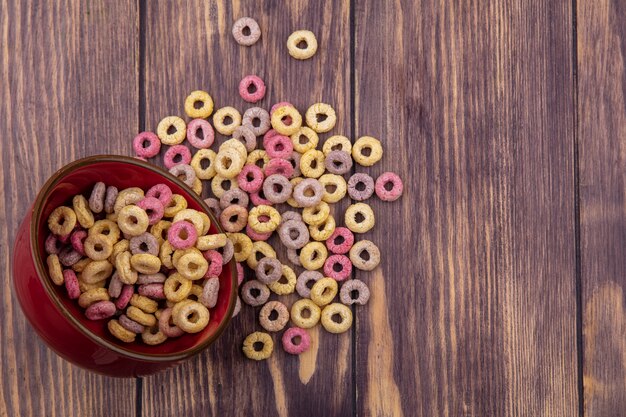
281	117
199	104
304	140
124	270
172	130
84	216
144	303
119	247
177	288
120	332
165	254
133	220
159	230
321	117
140	317
366	151
61	221
145	263
226	120
192	317
98	247
192	216
258	346
177	204
204	170
92	296
337	143
242	246
105	227
54	269
153	336
96	271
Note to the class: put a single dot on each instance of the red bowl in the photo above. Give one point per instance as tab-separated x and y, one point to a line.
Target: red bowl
59	321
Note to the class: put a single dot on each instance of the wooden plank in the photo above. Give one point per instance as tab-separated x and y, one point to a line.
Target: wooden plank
190	48
473	308
69	89
602	151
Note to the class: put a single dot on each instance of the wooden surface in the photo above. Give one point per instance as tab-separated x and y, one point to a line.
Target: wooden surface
501	291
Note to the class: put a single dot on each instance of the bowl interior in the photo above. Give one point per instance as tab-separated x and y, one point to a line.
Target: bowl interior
123	172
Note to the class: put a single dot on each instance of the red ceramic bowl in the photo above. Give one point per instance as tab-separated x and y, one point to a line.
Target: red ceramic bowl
60	322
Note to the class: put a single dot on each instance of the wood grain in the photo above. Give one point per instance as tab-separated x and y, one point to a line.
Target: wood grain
69	89
190	48
473	309
602	151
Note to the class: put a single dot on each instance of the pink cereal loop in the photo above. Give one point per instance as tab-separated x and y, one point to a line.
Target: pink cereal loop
152	149
288	337
162	192
100	310
248	81
343	247
172	152
258	200
165	327
175	230
154	291
346	267
153	207
396	189
197	126
78	238
125	296
280	104
278	146
239	273
215	263
71	284
279	166
269	134
250	178
256	236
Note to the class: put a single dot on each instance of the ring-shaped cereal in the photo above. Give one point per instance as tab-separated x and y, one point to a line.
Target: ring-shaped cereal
145	263
182	234
167	326
254	293
194	217
235	144
105	227
175	155
125	272
338	267
119	247
252	88
359	218
257	120
258	157
324	291
227	251
98	247
96	271
304	140
171	130
296	341
136	314
96	199
197	186
144	303
249	346
209	242
317	214
313	255
294	234
146	145
176	287
68	256
268	269
228	163
77	238
165	254
254	219
299	307
161	192
153	207
344	313
365	255
360	186
279	120
221	117
130	325
312	163
294	160
256	236
324	112
54	269
294	183
290	215
274	324
199	104
206	158
192	266
302	283
366	151
236	196
240	26
260	251
158	278
242	246
109	199
279	104
286	284
177	203
119	332
338	162
100	310
192	317
80	265
278	146
245	135
152	336
277	188
133	220
72	286
200	134
337	143
210	291
258	199
234	218
340	241
219	185
308	193
334	186
391	193
153	291
324	230
347	289
215	261
84	216
279	166
185	173
127	197
61	221
294	41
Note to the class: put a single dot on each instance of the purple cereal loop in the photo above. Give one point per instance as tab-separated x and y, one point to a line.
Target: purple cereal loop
294	160
294	256
161	192
288	341
250	178
125	296
278	146
360	186
268	270
249	298
258	199
96	199
182	227
131	325
342	262
216	263
294	234
52	245
154	209
137	242
214	205
71	284
345	294
154	291
290	215
109	199
258	84
115	286
301	189
177	150
209	292
253	27
186	171
256	236
165	327
256	113
303	279
340	241
245	135
152	149
144	279
227	251
277	188
69	256
279	166
234	196
396	186
197	127
100	310
240	274
338	162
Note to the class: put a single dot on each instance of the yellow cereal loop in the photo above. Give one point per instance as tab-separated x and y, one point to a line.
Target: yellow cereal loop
84	287
98	247
191	317
302	37
313	255
199	104
226	120
342	312
263	227
312	163
264	339
133	220
203	164
159	230
153	336
119	247
145	263
292	201
105	227
312	314
177	288
206	223
61	221
367	151
260	250
172	130
54	269
93	296
324	230
82	211
321	117
192	216
179	254
304	140
80	265
192	266
146	304
119	332
124	270
286	284
197	186
177	204
242	246
258	157
324	291
317	214
96	271
228	162
234	144
219	185
209	242
337	143
127	197
140	317
165	254
359	218
335	187
280	117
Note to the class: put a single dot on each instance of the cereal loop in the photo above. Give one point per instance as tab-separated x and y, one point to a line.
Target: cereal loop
161	192
294	234
257	120
343	313
133	220
153	208
199	104
122	263
182	235
359	218
117	330
260	250
280	117
308	192
219	185
54	269
177	204
242	246
246	31
228	163
321	117
338	162
98	247
100	310
316	215
360	186
354	286
340	241
254	293
94	295
145	263
277	188
305	37
303	281
367	151
304	140
97	271
177	154
258	157
255	339
146	145
266	316
324	230
61	221
269	269
296	341
365	255
226	120
185	173
245	135
324	291
312	163
193	317
286	284
236	196
203	163
337	143
176	288
389	186
338	267
335	187
313	256
279	166
305	313
84	216
171	130
254	219
250	179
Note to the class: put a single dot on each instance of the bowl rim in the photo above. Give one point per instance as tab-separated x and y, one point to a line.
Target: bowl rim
44	193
